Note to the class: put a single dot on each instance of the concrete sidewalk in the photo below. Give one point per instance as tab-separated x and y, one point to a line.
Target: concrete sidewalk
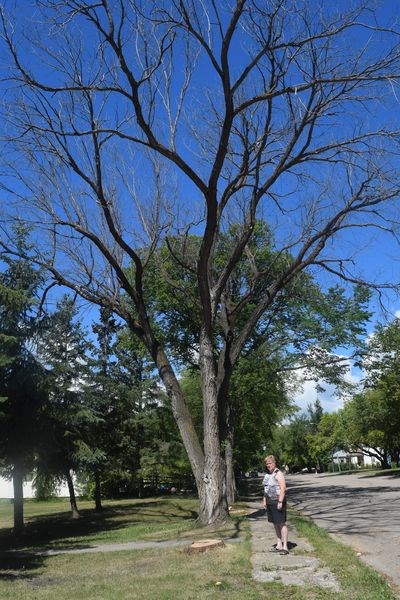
299	567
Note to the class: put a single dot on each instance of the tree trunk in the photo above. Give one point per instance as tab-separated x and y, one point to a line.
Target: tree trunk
72	497
227	427
181	413
230	473
385	461
212	491
208	467
18	483
97	491
213	507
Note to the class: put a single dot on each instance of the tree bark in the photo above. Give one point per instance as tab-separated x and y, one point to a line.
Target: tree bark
230	473
72	498
212	490
18	482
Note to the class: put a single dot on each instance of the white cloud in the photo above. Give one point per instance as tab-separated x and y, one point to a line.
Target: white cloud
330	400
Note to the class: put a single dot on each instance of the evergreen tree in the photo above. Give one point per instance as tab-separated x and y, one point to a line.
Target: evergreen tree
135	413
64	349
22	380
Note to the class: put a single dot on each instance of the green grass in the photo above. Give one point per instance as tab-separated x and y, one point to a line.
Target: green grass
159	574
49	523
357	580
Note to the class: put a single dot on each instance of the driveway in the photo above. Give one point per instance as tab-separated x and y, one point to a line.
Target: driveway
360	510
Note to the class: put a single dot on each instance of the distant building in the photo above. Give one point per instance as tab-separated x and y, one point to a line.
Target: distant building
7	491
341	457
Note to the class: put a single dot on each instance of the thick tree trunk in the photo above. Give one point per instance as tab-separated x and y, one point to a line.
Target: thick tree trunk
72	497
213	507
181	414
18	483
97	491
212	492
208	467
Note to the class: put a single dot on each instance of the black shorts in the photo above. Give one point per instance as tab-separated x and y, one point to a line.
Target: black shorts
275	515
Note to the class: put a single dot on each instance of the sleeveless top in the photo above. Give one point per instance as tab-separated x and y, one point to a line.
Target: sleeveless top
271	485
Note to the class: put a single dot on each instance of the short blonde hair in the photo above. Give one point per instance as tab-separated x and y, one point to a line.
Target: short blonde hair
271	458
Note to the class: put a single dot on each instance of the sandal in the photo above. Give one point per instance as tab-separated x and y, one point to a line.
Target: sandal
275	549
283	552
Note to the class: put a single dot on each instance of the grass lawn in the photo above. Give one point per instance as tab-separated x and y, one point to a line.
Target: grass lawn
157	574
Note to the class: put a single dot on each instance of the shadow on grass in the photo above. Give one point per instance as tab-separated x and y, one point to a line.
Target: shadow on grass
250	489
52	530
19	566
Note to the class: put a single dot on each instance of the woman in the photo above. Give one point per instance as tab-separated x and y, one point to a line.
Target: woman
274	502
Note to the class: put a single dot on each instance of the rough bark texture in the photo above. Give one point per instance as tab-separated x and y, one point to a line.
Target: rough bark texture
230	473
213	503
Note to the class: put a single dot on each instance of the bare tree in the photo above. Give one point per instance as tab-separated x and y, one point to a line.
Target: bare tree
129	120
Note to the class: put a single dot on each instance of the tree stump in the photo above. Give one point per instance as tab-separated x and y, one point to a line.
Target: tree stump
204	545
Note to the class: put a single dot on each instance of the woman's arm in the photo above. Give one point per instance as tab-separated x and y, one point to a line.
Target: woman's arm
282	486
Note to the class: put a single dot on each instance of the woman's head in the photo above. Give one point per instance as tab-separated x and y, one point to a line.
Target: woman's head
270	462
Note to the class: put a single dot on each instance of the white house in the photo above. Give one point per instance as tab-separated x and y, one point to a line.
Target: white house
341	457
6	489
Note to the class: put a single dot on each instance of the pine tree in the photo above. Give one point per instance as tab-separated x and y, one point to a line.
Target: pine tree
124	397
63	347
22	379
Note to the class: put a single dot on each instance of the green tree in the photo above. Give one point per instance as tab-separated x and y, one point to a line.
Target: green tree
327	438
294	442
284	90
370	422
127	397
258	400
290	443
22	380
300	335
372	417
104	397
63	348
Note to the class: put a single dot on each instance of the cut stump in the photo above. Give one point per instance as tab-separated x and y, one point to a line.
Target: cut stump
204	545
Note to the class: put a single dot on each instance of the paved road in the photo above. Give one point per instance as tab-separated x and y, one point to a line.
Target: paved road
360	510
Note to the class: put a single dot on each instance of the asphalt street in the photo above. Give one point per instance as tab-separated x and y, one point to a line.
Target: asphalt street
360	510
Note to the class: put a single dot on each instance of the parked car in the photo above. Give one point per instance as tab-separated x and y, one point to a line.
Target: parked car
253	474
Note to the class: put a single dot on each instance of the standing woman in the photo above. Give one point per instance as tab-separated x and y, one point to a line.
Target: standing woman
274	501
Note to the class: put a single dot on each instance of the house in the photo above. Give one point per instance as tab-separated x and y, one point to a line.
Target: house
355	459
7	491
